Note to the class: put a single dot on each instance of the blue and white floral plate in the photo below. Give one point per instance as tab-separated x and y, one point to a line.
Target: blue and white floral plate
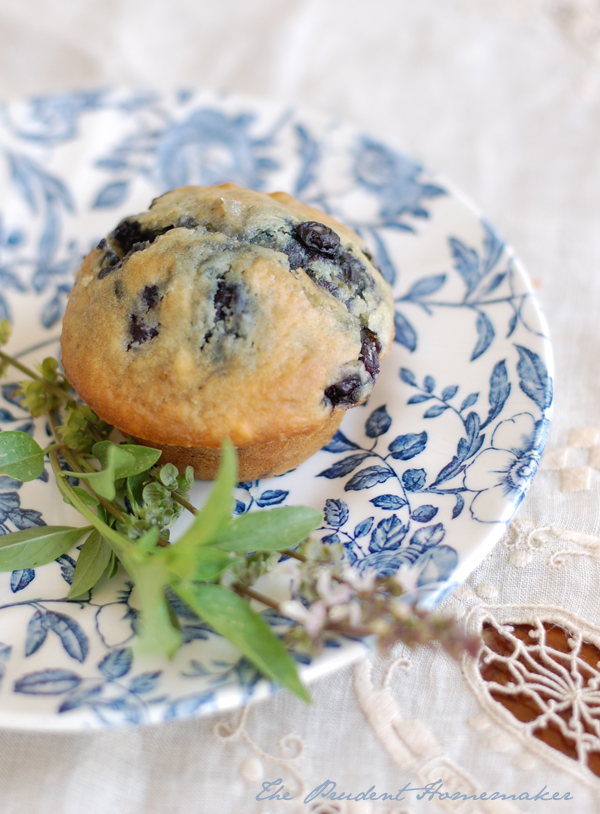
426	474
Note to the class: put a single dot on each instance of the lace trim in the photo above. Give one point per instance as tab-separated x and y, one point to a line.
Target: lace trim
411	744
575	478
291	749
562	687
252	770
526	533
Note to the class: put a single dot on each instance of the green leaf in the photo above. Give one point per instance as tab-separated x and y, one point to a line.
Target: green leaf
157	632
113	565
118	461
5	331
271	530
214	517
185	481
154	492
135	485
37	546
149	540
168	475
21	457
84	496
233	618
210	563
48	368
103	482
112	459
35	397
92	562
129	459
172	615
145	458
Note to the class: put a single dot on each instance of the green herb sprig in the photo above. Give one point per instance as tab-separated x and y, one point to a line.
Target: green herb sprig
130	502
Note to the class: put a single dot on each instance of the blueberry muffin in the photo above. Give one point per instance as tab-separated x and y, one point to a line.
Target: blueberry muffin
224	312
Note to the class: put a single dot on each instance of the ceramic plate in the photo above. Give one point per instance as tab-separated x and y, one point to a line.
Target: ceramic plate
426	474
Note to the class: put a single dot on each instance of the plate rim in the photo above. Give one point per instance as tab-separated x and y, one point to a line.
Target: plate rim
494	532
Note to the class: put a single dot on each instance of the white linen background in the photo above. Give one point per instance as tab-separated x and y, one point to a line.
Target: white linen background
502	97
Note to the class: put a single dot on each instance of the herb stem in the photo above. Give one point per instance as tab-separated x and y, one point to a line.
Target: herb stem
333	626
119	543
54	426
77	460
181	500
252	594
187	505
78	466
20	366
109	533
74	430
347	630
295	555
94	432
53	388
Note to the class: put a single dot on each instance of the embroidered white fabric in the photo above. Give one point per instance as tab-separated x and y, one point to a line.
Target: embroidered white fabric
503	96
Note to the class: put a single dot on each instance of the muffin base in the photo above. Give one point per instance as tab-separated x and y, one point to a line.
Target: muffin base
260	460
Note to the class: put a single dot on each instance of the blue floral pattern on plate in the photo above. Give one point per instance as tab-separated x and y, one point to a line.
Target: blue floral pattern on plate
426	475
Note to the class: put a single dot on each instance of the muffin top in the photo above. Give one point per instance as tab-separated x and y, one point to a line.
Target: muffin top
225	312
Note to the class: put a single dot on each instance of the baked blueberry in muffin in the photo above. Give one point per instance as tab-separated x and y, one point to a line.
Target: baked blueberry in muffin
224	312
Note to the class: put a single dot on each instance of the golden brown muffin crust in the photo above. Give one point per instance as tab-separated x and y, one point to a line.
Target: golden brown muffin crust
219	321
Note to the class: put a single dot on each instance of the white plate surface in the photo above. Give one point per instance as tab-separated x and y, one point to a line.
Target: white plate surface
426	474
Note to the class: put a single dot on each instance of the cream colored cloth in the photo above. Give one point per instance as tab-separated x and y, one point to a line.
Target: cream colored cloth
503	96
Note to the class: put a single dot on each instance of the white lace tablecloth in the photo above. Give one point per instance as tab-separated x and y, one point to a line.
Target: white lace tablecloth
503	96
